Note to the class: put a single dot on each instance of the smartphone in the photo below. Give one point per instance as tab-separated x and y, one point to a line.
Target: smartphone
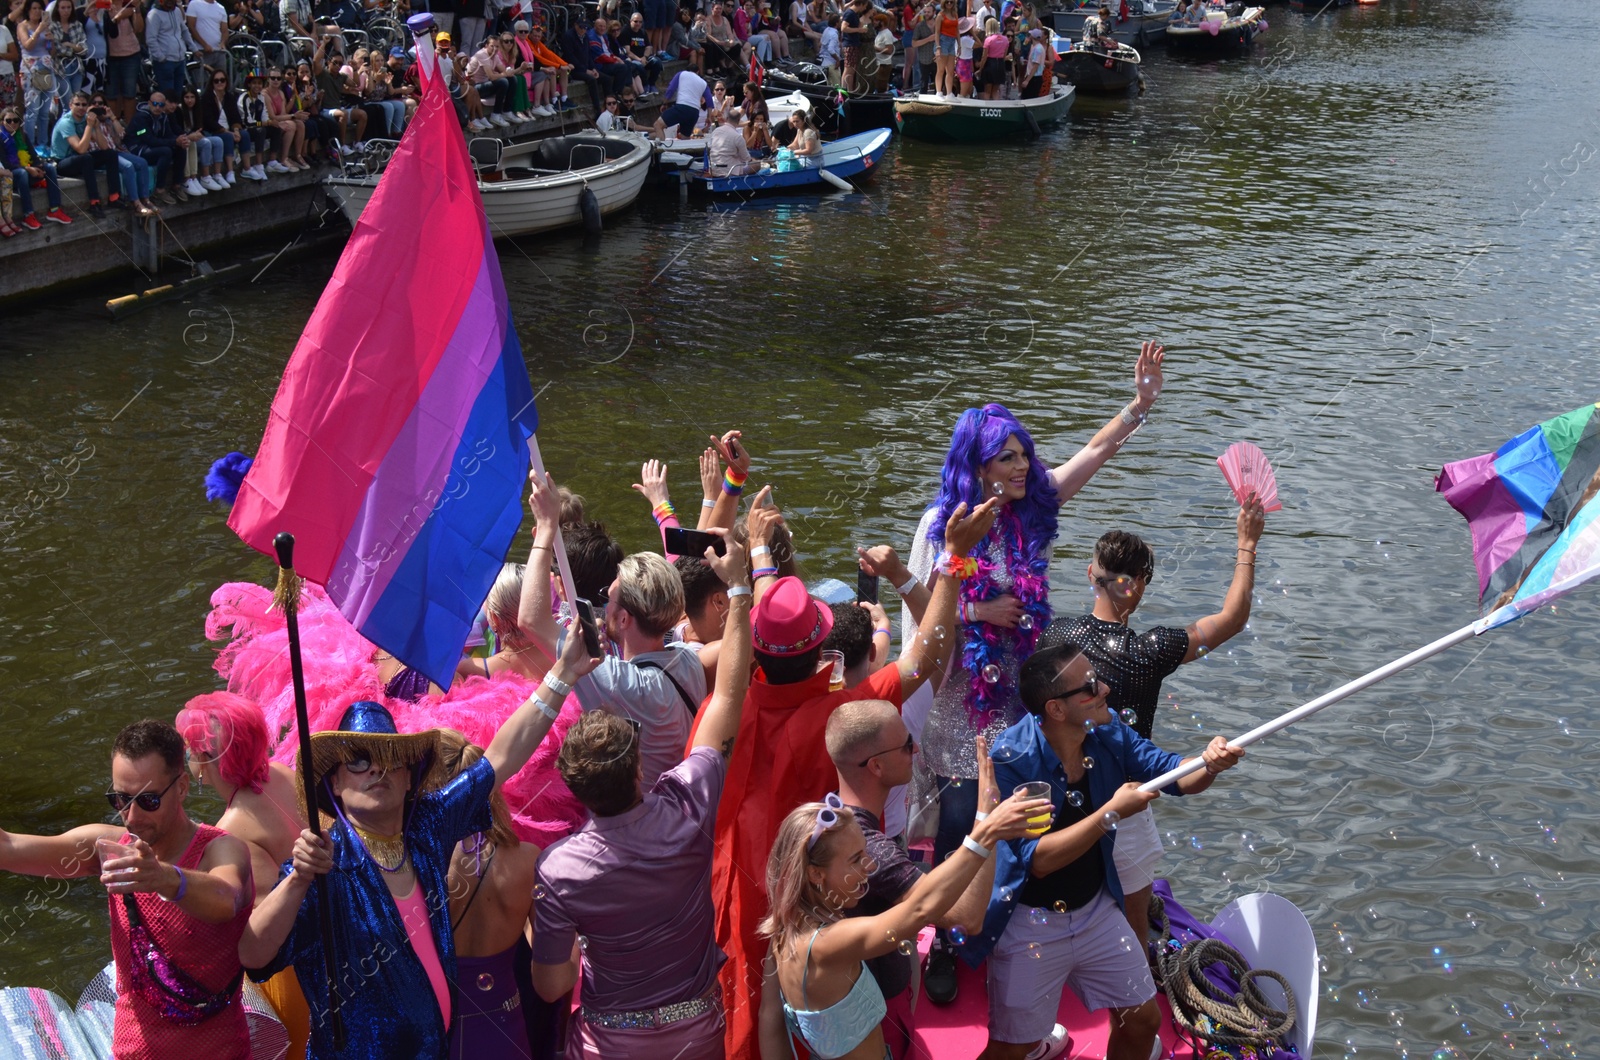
591	632
866	587
681	541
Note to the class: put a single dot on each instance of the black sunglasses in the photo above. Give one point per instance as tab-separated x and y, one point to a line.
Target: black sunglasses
149	801
9	121
908	747
359	762
1088	688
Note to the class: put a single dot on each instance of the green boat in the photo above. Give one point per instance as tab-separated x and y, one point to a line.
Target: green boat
953	120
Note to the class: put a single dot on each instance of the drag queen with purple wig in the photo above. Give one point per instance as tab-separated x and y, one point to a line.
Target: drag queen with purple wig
1005	597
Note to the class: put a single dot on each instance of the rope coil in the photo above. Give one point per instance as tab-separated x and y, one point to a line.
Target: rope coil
1201	1008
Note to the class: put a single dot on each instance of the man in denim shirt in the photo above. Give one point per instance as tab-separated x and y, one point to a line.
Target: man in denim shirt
1072	931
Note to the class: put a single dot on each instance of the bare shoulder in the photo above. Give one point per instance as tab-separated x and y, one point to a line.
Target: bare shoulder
225	850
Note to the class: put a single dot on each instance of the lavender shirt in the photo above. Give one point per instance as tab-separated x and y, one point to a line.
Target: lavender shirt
637	887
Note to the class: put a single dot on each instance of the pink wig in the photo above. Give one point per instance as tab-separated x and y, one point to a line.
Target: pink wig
231	730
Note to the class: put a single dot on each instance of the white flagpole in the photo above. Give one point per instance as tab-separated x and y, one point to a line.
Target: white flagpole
1327	699
560	547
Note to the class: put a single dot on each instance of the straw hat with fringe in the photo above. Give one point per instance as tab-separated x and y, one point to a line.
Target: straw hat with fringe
367	729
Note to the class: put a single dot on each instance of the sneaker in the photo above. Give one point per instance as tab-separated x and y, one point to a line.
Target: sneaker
230	180
346	150
162	195
567	104
58	215
97	211
477	125
939	976
255	173
180	192
545	111
500	120
1055	1045
207	184
277	167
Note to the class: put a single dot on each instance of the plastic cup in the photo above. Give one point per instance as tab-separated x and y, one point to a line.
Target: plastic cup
1036	789
835	661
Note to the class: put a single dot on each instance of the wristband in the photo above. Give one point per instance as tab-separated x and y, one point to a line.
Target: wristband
969	843
738	590
764	572
911	583
732	482
708	503
980	815
556	685
183	887
662	512
960	567
551	712
760	550
884	630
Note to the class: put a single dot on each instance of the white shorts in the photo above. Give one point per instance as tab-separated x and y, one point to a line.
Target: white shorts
1091	950
1137	851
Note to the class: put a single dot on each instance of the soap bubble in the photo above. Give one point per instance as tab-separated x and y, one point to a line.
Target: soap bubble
1005	895
999	489
938	631
1025	623
539	891
1088	761
991	674
1088	726
1128	716
1109	819
1038	916
1194	841
1034	951
1075	799
485	981
958	937
1060	907
907	947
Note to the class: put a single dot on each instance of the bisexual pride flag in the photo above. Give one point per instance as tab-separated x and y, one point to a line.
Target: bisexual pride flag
396	450
1531	509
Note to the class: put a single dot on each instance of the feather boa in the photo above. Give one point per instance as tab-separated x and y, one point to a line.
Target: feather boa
984	645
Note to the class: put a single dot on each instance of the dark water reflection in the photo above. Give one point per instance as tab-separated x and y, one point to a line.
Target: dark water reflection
1371	249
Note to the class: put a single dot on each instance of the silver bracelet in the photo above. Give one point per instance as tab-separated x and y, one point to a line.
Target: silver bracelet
556	685
969	843
911	583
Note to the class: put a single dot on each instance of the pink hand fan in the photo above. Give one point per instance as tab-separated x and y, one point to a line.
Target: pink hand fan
1247	470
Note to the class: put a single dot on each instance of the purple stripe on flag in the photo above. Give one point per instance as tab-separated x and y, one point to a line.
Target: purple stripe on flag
413	477
1498	522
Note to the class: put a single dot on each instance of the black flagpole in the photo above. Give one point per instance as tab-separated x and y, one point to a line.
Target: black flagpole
287	596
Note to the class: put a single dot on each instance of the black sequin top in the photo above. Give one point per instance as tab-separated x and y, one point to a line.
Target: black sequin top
1132	664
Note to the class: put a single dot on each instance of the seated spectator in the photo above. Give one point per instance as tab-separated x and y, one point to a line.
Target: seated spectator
154	135
658	685
767	25
342	109
720	102
726	153
616	71
265	139
643	957
530	40
724	51
23	176
572	47
807	143
291	132
757	121
78	154
682	42
138	177
203	155
636	47
220	117
610	120
488	74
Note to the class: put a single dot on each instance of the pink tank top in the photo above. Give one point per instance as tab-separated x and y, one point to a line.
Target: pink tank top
208	953
414	914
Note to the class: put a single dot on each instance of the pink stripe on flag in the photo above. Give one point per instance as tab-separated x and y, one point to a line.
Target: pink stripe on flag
413	476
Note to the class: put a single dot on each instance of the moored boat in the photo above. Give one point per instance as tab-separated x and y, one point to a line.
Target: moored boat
1145	24
961	120
534	186
1091	69
854	158
833	112
1219	34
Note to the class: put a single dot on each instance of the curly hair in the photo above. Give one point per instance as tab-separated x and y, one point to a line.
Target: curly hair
979	436
599	761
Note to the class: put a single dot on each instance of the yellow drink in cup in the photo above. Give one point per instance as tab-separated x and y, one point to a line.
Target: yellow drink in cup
1036	789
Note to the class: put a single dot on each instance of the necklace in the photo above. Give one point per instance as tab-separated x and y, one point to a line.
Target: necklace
388	852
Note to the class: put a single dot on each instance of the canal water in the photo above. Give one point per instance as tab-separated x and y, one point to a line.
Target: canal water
1370	248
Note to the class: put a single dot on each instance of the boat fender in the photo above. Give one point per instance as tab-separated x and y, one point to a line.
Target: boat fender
1034	132
590	208
836	180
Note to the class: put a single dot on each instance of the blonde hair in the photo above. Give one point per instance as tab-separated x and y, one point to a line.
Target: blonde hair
991	26
853	729
505	600
456	754
796	904
649	589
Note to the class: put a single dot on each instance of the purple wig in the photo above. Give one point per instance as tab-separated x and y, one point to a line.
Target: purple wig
979	436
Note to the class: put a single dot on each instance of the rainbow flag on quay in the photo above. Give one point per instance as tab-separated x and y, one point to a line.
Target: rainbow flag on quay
1530	506
396	450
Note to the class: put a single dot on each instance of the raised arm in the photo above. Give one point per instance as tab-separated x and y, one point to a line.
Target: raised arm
653	486
720	722
883	562
731	448
1210	632
1070	477
760	523
928	650
862	938
515	740
61	857
710	486
970	909
533	609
